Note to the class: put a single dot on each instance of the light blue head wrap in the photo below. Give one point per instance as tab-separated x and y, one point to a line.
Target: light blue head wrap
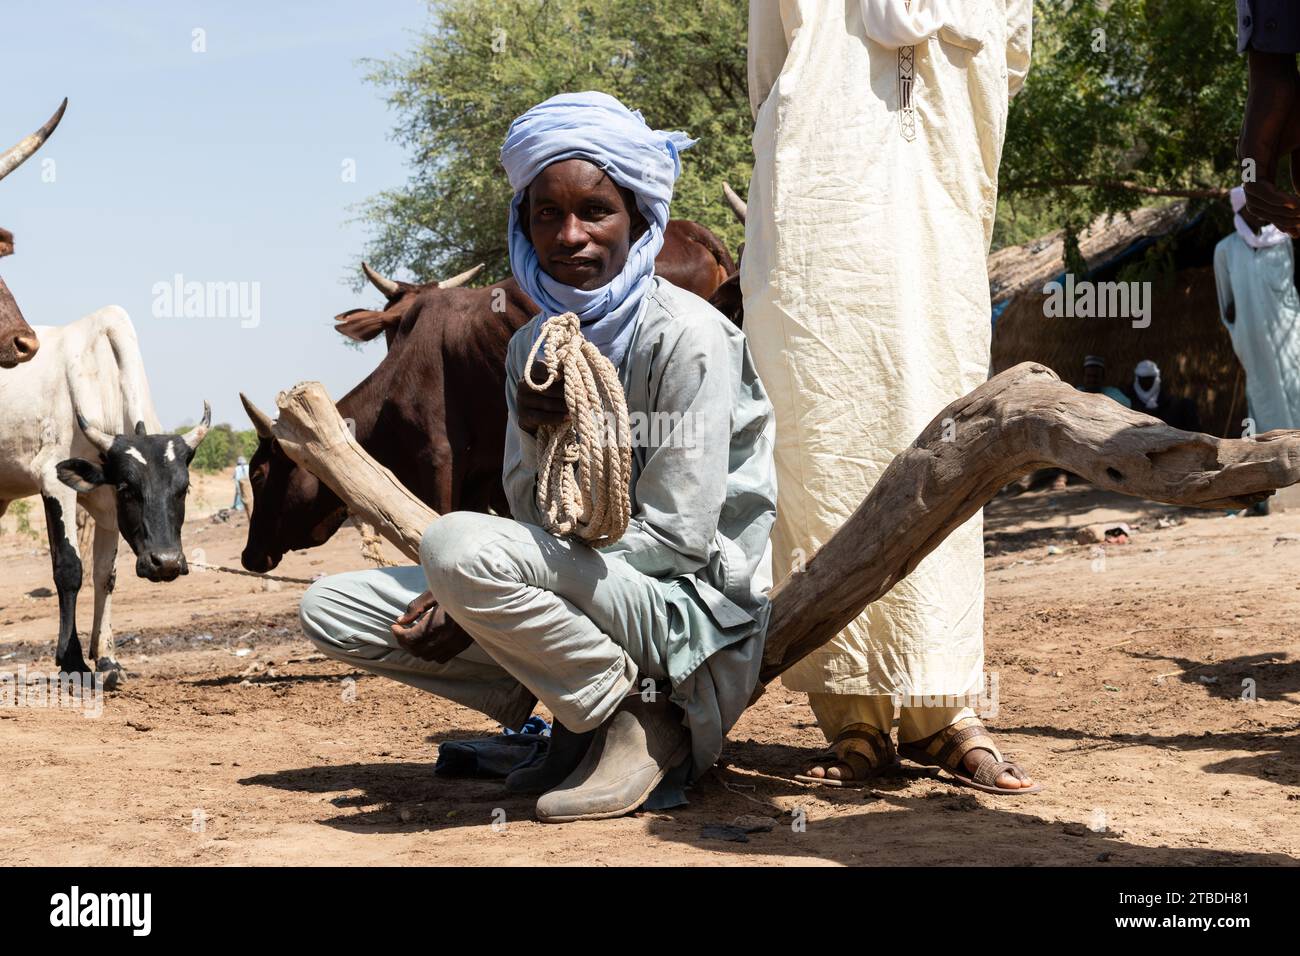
598	128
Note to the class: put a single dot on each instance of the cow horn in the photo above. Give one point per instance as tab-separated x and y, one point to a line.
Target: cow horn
100	440
261	420
197	433
15	157
738	205
459	280
385	285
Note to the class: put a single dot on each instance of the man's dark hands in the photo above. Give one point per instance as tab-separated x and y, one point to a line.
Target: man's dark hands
535	409
1270	132
426	631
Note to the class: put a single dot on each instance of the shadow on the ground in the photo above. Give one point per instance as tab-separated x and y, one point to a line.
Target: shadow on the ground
945	826
1006	515
915	815
1274	751
942	827
1266	676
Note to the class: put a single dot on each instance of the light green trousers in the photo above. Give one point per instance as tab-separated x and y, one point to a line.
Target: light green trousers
551	619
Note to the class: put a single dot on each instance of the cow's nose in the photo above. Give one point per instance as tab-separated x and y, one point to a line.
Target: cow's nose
163	565
258	563
25	346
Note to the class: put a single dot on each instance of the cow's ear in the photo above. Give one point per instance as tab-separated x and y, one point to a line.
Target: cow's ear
80	475
140	429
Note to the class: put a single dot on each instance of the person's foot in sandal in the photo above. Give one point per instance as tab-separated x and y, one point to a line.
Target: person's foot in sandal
967	752
858	753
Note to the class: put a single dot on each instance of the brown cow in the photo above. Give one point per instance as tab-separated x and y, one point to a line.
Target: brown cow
17	340
692	258
434	410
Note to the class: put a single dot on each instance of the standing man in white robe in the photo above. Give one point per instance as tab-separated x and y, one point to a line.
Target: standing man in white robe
1254	271
879	131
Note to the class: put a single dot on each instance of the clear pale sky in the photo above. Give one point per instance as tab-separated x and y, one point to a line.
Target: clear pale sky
222	166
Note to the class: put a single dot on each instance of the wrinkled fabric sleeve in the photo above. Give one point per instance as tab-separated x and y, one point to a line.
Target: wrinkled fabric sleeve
519	471
1268	26
1020	42
1222	281
681	488
767	50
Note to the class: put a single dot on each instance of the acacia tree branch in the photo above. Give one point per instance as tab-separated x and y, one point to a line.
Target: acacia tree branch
1016	422
1123	185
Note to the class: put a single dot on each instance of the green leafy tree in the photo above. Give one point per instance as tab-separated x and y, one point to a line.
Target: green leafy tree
483	62
1129	102
222	446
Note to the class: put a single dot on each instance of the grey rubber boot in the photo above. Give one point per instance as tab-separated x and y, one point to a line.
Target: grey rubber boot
562	756
632	752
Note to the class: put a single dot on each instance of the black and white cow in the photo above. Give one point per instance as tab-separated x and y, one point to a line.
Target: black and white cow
77	424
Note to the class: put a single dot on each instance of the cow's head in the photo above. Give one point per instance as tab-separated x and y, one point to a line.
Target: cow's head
17	340
292	510
364	324
151	474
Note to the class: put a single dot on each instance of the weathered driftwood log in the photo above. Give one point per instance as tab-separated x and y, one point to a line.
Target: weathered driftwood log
312	433
1018	421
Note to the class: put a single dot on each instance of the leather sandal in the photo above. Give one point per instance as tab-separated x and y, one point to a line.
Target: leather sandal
946	749
866	750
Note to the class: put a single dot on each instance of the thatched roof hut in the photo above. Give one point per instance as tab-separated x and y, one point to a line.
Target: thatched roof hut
1170	246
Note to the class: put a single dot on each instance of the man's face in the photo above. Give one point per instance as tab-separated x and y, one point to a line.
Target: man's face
581	223
1093	376
1146	382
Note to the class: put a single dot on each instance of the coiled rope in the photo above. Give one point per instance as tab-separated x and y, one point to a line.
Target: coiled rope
585	466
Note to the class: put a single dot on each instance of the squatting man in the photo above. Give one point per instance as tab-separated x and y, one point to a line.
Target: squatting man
500	614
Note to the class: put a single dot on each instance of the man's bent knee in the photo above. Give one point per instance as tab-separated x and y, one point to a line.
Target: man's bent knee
456	547
315	612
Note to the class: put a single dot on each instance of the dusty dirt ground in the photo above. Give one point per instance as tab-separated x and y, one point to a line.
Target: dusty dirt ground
1120	688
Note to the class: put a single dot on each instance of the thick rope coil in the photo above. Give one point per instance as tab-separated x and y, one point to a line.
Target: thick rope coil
585	467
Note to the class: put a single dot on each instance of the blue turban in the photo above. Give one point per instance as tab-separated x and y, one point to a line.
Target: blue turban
598	128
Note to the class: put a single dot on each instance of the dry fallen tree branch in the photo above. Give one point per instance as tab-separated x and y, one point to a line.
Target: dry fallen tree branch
1018	421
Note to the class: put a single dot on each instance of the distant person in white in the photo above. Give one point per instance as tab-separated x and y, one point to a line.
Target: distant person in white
241	474
1254	269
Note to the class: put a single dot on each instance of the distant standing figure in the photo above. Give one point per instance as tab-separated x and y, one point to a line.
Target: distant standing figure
241	476
1254	269
1094	377
1148	395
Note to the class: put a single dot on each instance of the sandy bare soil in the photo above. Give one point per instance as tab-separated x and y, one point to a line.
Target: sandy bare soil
1120	687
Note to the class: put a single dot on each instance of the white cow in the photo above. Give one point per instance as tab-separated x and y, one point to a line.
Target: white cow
77	424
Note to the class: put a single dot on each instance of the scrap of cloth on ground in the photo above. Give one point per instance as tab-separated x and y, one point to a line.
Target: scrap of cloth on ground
866	290
678	597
